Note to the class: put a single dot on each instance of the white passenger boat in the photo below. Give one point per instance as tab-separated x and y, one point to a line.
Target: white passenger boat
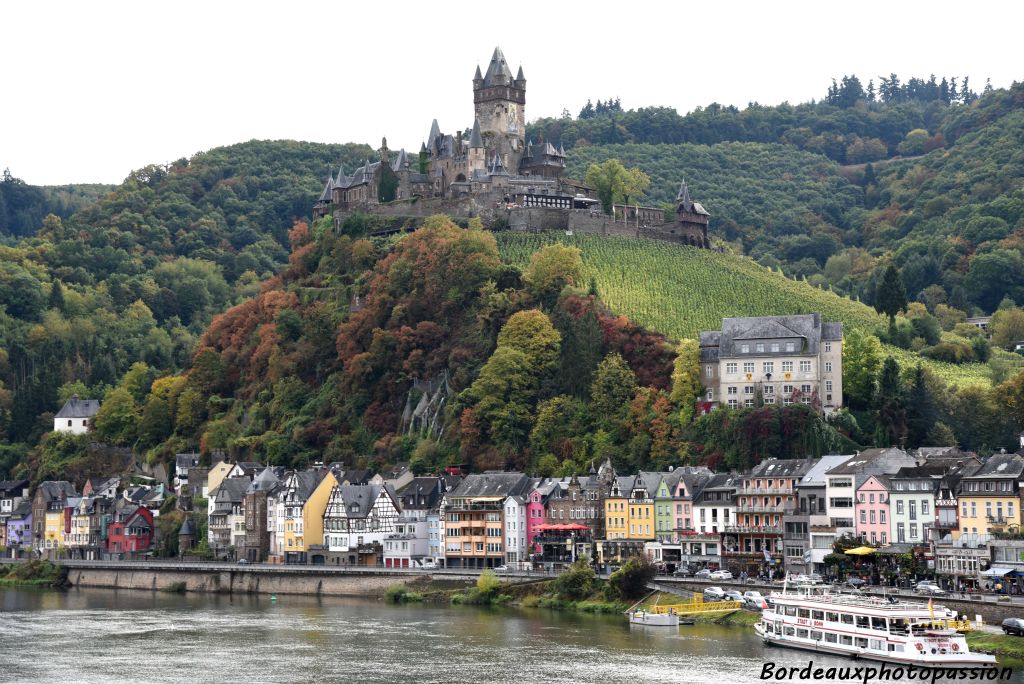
642	617
871	627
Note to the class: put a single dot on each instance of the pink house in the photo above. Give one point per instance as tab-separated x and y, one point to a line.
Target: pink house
871	510
536	507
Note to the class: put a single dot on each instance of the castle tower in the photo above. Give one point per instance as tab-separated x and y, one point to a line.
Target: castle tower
691	220
476	158
500	104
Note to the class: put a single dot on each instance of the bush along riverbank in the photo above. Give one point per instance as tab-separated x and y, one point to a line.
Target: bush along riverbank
36	573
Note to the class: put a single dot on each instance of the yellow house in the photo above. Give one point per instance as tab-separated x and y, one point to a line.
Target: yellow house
53	532
217	474
990	498
316	506
629	510
298	488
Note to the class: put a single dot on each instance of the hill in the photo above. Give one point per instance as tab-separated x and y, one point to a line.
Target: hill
681	291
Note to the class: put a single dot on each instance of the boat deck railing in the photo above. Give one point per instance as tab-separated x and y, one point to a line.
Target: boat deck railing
853	600
697	605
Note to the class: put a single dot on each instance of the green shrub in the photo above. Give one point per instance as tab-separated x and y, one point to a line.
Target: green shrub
576	582
630	581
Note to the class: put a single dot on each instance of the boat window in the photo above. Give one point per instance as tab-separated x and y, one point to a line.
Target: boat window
862	621
832	617
791	611
804	613
846	640
818	615
790	631
877	645
898	626
847	618
801	633
898	648
878	623
862	642
831	638
816	636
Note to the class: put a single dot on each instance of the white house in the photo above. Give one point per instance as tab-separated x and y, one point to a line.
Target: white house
516	549
358	515
76	415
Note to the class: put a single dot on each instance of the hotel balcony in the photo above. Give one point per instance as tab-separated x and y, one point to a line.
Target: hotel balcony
780	509
764	490
746	529
458	505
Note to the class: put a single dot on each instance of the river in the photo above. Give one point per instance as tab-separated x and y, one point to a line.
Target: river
97	635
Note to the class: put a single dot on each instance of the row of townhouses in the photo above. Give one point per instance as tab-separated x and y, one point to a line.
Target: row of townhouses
957	512
103	521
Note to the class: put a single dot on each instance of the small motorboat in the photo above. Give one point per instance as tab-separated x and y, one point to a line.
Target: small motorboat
643	617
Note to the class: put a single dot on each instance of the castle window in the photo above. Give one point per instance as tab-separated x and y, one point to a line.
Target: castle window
744	349
760	348
775	346
790	346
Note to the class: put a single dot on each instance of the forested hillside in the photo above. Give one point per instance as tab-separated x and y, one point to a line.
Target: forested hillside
137	275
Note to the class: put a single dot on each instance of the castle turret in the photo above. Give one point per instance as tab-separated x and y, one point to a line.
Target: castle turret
500	103
476	157
691	219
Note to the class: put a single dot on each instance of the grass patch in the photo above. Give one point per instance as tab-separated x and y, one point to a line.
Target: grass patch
1000	644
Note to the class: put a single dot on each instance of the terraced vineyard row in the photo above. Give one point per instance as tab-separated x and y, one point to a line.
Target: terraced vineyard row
681	291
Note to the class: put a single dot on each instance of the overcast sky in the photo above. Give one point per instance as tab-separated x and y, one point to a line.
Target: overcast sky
93	90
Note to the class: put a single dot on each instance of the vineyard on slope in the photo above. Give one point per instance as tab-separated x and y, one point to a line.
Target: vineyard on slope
681	291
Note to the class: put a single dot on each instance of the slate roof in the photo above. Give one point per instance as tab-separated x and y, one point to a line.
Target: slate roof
305	482
999	465
791	467
423	493
718	482
498	72
491	484
816	475
187	527
186	461
362	497
56	489
22	510
232	489
356	477
400	161
474	138
809	327
78	408
265	481
856	464
325	196
12	486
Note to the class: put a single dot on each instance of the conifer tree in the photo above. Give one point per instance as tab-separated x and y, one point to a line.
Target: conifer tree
921	410
891	297
56	301
890	406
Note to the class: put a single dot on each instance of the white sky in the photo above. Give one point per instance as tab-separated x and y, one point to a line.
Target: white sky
93	90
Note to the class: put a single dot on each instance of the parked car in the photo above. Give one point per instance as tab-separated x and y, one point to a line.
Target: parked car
1013	626
501	568
733	595
721	575
683	571
931	590
754	599
702	574
855	582
428	565
924	583
714	594
243	561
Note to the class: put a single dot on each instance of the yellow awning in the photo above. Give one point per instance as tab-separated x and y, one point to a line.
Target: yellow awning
860	551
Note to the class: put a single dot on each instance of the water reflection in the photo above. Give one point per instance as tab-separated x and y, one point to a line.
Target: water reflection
91	635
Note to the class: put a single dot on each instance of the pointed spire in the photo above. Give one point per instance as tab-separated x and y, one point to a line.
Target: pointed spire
683	198
435	131
478	76
474	139
561	150
519	76
498	72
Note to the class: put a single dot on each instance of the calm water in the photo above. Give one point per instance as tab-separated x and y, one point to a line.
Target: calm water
93	635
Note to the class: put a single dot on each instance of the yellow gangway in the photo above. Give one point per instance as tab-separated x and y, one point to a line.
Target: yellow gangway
698	605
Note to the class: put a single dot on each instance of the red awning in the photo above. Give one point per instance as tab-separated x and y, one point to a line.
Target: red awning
567	528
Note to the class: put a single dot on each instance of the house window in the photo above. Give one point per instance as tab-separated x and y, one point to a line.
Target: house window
730	367
748	367
69	423
708	371
787	366
748	389
787	389
899	507
733	403
806	389
748	402
711	395
828	366
791	346
768	367
744	349
775	346
732	391
828	346
805	366
828	386
900	533
769	389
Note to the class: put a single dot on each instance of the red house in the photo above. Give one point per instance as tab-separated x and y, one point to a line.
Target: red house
131	533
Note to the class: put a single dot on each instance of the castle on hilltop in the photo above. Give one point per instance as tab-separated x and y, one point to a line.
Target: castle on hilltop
492	172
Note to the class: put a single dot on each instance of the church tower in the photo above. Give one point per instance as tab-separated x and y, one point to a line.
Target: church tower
500	103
